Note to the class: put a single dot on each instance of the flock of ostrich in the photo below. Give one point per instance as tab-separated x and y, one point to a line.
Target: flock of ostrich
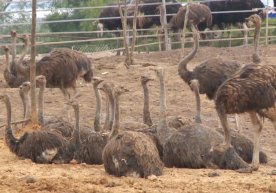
144	149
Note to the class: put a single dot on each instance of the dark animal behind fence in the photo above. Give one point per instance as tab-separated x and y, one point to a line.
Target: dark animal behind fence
223	19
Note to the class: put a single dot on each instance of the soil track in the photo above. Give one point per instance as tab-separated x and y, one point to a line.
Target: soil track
24	176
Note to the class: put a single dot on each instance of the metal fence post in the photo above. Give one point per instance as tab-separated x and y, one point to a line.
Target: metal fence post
266	28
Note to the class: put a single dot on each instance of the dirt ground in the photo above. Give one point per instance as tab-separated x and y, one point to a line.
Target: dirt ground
24	176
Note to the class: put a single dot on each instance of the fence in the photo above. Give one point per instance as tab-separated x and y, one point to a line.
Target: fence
89	42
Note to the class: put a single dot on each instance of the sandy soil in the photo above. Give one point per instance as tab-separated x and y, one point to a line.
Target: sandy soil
24	176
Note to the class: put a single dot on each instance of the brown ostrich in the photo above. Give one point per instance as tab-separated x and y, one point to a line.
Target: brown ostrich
86	145
242	145
245	97
197	13
61	67
177	151
13	78
209	74
252	82
39	146
52	123
130	153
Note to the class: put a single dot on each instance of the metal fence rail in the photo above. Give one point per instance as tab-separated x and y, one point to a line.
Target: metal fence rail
84	40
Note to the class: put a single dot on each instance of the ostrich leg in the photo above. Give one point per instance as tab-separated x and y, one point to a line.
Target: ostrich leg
195	87
258	126
227	135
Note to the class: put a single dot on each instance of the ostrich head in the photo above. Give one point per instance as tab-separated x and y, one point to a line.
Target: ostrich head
119	90
25	87
97	80
253	20
4	98
145	79
41	81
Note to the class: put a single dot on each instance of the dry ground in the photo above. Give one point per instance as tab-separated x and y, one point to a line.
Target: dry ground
24	176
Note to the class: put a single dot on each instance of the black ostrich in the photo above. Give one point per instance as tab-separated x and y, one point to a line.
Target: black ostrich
110	24
39	146
209	74
130	153
223	20
177	151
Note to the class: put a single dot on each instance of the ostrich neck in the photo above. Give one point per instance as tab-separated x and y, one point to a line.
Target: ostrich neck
7	55
28	105
256	57
13	49
162	129
22	97
146	112
98	109
8	107
76	133
116	126
41	104
183	72
112	111
107	114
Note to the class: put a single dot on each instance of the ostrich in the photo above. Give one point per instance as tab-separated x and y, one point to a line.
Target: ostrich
50	123
198	13
61	67
209	74
242	145
39	146
86	145
245	97
74	64
247	85
13	78
130	153
177	145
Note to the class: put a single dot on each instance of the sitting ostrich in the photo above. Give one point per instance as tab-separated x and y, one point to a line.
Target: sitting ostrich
210	74
177	145
39	146
50	123
86	145
129	153
13	78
